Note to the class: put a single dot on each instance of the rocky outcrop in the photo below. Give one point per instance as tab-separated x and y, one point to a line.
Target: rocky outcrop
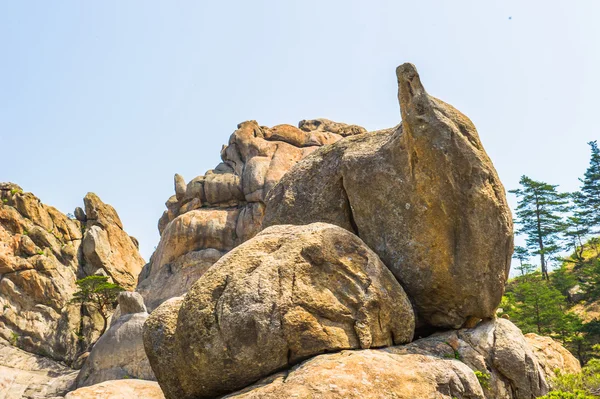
440	366
552	356
289	293
424	196
41	258
107	246
27	376
369	374
119	353
119	389
212	214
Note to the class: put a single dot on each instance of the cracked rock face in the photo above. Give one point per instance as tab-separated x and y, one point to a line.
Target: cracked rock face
440	366
289	293
214	213
41	258
424	196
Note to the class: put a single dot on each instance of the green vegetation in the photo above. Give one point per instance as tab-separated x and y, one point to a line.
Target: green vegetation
14	338
584	385
99	293
483	378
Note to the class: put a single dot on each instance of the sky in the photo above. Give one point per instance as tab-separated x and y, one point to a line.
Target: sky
116	97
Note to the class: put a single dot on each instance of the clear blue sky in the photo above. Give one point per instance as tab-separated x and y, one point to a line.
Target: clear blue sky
115	97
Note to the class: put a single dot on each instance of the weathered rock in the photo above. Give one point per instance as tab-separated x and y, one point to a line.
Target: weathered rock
180	186
80	214
107	246
119	353
369	374
224	208
440	366
40	261
552	356
289	293
27	376
425	197
496	348
119	389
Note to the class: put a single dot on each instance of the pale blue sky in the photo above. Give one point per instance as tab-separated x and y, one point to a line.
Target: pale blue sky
115	97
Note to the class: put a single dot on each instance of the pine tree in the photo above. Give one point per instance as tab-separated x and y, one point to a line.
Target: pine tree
539	212
575	232
522	254
588	199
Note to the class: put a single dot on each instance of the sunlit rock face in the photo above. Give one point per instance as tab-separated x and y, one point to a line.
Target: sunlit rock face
42	254
424	196
213	213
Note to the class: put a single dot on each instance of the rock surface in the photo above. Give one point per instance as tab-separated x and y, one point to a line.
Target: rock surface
369	374
107	246
41	258
218	211
289	293
440	366
119	389
119	353
552	356
27	376
424	196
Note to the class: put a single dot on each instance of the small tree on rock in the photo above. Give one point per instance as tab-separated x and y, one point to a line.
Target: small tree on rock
98	292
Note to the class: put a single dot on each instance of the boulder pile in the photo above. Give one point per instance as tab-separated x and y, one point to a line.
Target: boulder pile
214	213
368	244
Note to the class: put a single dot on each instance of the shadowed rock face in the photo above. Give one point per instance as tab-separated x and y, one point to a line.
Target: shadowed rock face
424	196
287	294
214	213
42	254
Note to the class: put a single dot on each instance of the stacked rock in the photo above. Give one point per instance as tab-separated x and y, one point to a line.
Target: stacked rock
214	213
373	241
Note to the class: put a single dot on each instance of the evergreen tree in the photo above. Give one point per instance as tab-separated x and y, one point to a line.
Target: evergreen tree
538	307
98	292
588	199
575	232
539	216
522	254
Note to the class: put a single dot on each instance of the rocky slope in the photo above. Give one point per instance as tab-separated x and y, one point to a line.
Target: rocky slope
42	254
213	213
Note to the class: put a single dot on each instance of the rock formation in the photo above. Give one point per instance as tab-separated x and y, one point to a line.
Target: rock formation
27	376
441	366
213	213
552	355
119	389
106	246
42	256
424	196
119	353
289	293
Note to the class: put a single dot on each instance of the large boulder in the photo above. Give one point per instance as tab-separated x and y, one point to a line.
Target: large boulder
119	389
27	376
119	353
41	258
215	212
289	293
424	196
492	361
